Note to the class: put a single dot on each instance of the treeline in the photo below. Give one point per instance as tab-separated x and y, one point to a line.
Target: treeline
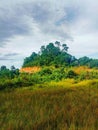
86	61
56	54
12	78
6	73
8	77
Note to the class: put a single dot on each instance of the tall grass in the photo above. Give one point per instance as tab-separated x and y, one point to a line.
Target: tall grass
62	108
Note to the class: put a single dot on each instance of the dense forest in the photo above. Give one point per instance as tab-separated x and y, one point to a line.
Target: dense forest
57	54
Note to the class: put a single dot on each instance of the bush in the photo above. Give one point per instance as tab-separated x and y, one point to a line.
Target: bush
71	74
45	71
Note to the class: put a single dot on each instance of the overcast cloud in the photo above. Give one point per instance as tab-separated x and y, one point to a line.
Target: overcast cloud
25	25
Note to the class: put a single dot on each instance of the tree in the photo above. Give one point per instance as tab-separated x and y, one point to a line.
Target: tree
13	68
28	60
84	60
58	44
42	49
3	67
65	48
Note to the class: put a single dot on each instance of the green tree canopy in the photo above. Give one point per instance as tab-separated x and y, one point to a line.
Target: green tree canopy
51	54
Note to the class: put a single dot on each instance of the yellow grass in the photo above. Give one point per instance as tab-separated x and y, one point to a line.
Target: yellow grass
81	69
62	108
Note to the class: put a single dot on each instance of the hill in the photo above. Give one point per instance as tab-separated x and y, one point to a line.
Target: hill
56	54
52	54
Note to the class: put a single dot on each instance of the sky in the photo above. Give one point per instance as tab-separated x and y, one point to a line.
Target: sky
26	25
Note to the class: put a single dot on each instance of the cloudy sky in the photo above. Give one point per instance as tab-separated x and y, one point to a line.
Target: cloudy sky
25	25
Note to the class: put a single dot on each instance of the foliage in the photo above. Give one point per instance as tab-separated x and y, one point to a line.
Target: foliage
52	54
54	64
86	61
71	74
57	54
5	73
11	79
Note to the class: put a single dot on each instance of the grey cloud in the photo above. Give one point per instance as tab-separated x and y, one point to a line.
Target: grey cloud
21	18
11	54
11	25
5	59
40	12
47	20
46	15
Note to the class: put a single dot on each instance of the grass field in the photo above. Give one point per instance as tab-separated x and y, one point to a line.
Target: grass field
72	106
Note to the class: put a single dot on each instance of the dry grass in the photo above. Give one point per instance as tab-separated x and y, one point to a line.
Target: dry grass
30	69
81	69
62	108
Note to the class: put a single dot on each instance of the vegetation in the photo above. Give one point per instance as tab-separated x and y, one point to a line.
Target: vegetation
56	107
92	63
52	63
52	54
5	73
57	55
53	91
45	75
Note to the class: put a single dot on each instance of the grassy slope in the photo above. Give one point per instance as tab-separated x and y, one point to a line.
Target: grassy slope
58	106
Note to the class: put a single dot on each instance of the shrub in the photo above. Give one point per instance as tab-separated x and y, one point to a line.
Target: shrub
71	74
45	71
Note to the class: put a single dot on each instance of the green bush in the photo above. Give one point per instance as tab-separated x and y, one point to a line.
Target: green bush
45	71
71	74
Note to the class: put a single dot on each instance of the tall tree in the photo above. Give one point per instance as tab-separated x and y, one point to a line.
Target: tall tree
3	67
58	43
42	49
65	47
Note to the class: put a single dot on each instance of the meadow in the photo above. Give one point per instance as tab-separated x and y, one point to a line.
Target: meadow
63	105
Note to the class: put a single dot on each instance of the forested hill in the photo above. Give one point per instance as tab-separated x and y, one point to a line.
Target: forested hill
57	54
